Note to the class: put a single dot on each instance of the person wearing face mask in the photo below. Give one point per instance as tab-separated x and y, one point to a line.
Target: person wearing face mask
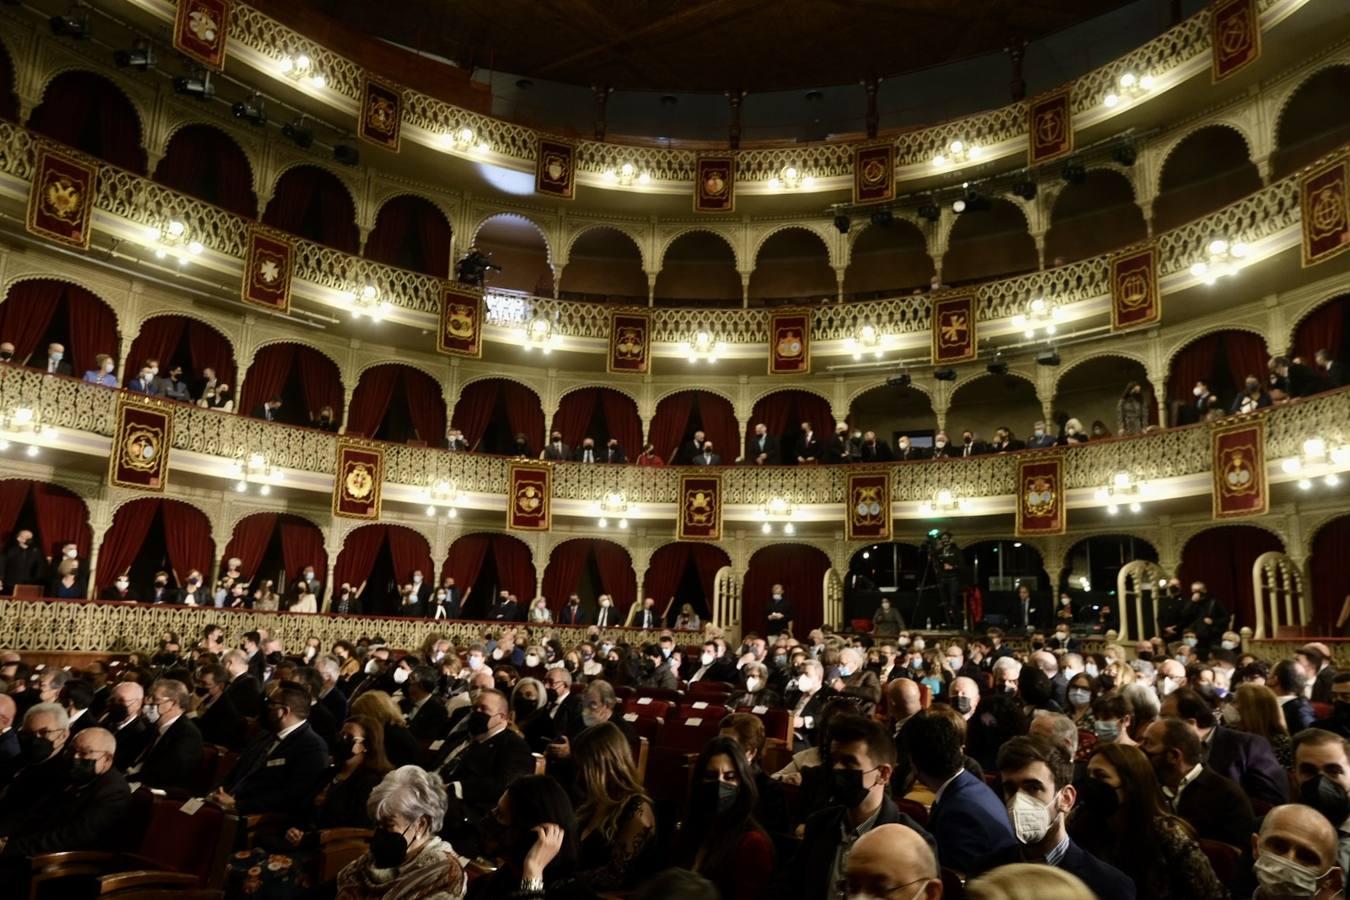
778	618
479	769
123	718
426	713
906	450
713	668
1040	437
1214	806
1289	682
282	769
1295	856
559	720
757	692
172	757
853	680
1322	773
721	839
1074	433
1250	398
887	621
1036	778
120	591
406	858
40	768
53	362
555	450
102	372
1206	616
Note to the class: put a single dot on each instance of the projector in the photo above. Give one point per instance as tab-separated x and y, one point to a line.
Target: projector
1047	358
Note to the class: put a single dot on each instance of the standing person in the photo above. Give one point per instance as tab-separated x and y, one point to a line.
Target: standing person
1206	616
887	621
780	615
23	563
720	839
1212	804
761	448
1132	410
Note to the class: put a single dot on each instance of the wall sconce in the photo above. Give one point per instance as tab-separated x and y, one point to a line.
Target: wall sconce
464	140
1129	87
702	347
957	153
365	301
255	468
790	178
441	494
867	338
944	501
1041	313
538	334
300	68
1222	257
627	175
23	422
608	506
776	509
1124	489
1317	453
173	238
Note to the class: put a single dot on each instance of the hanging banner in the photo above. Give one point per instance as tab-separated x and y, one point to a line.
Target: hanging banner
869	506
629	343
715	184
953	329
357	485
529	497
381	113
199	31
461	331
790	342
874	173
140	447
61	200
1238	455
1050	127
1135	298
700	508
268	263
1234	36
1324	203
1040	495
555	169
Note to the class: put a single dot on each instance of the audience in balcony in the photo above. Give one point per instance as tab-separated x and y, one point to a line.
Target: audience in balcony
613	452
1073	433
539	613
1251	398
687	620
455	442
324	421
1132	410
22	564
53	362
172	387
102	372
265	596
809	449
761	448
6	353
685	453
268	409
707	457
144	382
217	398
1335	373
555	450
649	457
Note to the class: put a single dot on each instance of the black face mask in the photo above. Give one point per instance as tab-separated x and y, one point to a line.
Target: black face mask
478	723
6	356
34	749
552	695
846	788
1342	709
1098	796
1146	655
388	849
345	750
1327	797
82	771
716	797
117	713
523	707
201	691
961	703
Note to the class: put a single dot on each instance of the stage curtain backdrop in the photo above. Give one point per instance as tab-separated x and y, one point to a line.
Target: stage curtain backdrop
524	413
574	415
782	412
26	315
187	534
357	556
206	163
465	561
564	571
1222	558
62	517
122	541
370	400
409	551
314	204
302	545
320	380
249	542
515	565
13	494
710	560
85	111
1195	362
801	571
1323	329
622	417
267	375
1246	355
426	405
616	574
92	329
670	424
1330	577
411	233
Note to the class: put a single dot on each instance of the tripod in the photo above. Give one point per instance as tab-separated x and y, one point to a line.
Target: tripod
930	583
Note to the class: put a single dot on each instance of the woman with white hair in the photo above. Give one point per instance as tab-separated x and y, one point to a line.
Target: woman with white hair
406	859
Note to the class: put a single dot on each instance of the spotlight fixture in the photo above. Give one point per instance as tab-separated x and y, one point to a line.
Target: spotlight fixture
347	154
883	217
958	152
195	85
298	133
1073	172
997	366
74	23
901	380
1125	154
930	212
1047	358
251	109
841	224
702	346
945	374
138	56
1025	188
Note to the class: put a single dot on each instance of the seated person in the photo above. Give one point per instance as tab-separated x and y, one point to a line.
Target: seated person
280	771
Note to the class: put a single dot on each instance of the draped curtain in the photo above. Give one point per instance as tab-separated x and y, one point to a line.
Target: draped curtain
622	417
1222	558
1194	363
206	163
187	538
426	405
411	233
574	415
312	203
370	400
524	413
159	338
465	562
62	517
801	571
473	409
122	541
13	493
85	111
1246	355
250	540
91	330
409	551
302	545
710	560
616	574
1323	329
267	375
670	424
27	313
1330	577
358	553
565	568
515	565
320	380
782	413
664	571
209	349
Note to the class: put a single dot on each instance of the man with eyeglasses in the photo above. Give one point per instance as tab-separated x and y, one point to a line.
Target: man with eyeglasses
46	727
893	862
173	756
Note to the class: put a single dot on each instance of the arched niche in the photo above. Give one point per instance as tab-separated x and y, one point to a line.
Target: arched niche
600	414
997	568
1308	130
893	411
1222	558
399	403
303	378
989	243
90	113
38	312
681	414
1222	359
684	572
1325	328
604	264
377	560
314	204
1089	575
1330	575
411	233
698	269
800	569
518	246
1209	169
492	411
277	547
888	260
204	162
1093	217
176	340
590	567
792	266
54	514
1090	390
153	534
483	564
989	402
784	412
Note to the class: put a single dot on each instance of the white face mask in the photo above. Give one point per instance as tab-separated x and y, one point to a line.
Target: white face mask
151	714
71	554
806	684
370	667
400	676
531	659
918	644
417	579
1198	391
1169	685
1229	645
752	684
1280	876
475	662
706	658
778	596
1031	819
122	584
1090	670
107	367
939	444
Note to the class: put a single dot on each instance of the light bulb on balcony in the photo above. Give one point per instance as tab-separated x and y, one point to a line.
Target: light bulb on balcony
1199	269
644	178
603	523
32	450
1305	484
1101	495
4	444
766	528
957	148
1112	510
940	160
368	292
451	513
944	497
466	135
1341	455
790	173
1239	249
1128	80
241	486
176	228
318	81
925	508
1218	247
431	510
286	65
302	62
1314	448
1146	82
1136	506
23	416
1112	100
623	523
789	529
1121	479
1331	479
265	489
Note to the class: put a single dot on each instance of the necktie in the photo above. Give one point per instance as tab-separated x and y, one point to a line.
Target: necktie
588	456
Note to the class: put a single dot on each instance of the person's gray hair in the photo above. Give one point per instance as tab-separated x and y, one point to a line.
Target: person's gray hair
1006	664
603	691
329	667
757	669
562	673
1062	728
411	793
55	710
1143	667
813	666
59	678
541	696
177	691
1143	700
234	654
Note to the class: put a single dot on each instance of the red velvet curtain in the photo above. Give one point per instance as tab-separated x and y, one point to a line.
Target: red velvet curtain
267	375
62	517
1323	329
622	417
209	349
710	560
321	381
370	400
85	111
13	494
249	542
122	541
1330	577
1246	355
616	574
664	571
409	551
515	565
358	553
187	537
564	570
204	162
473	409
411	233
782	412
26	315
9	104
801	571
574	415
302	545
92	329
465	562
159	338
1194	363
426	404
670	424
313	203
1222	558
524	413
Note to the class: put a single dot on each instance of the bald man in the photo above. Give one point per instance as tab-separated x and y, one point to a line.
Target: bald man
1296	847
9	737
890	857
902	702
122	718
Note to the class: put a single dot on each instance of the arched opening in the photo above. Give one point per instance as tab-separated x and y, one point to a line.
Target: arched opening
1222	360
888	260
990	402
394	402
314	204
87	112
301	377
39	312
1222	558
277	547
792	266
989	243
1306	132
892	412
182	341
894	572
800	569
1330	576
600	414
784	413
998	568
1325	328
1208	170
1091	392
205	162
483	564
376	560
156	535
56	516
516	245
9	102
590	567
683	573
680	416
604	264
492	412
1092	217
698	269
411	233
1089	577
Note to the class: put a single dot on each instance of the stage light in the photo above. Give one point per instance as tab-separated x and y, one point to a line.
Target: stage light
1047	358
298	133
347	154
1125	154
945	374
841	224
997	367
959	206
251	110
198	86
883	217
1025	188
74	24
930	212
901	380
1074	172
138	56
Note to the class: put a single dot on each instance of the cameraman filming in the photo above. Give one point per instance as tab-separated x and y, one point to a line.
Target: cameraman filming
949	562
474	266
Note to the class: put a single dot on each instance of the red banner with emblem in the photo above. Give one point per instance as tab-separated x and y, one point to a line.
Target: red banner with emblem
1050	127
61	201
200	29
381	113
529	497
359	480
715	184
868	506
268	263
1324	203
1040	495
1235	36
630	343
790	342
555	171
1135	298
700	508
874	173
140	446
953	329
1238	460
461	331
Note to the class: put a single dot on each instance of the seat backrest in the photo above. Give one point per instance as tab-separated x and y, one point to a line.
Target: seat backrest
688	735
701	689
647	707
702	709
1223	858
197	843
914	809
659	693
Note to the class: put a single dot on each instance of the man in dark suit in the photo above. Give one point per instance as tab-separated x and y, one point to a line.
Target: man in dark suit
971	445
54	362
1206	616
34	775
244	688
587	453
217	718
1043	772
559	720
1029	611
267	410
1299	380
942	448
77	695
839	450
967	819
572	613
160	592
808	445
120	591
1289	682
507	608
613	452
281	769
1213	805
555	450
607	616
684	455
427	716
1335	373
707	457
9	738
1245	758
905	450
144	382
23	562
479	770
122	718
173	756
778	620
251	644
761	448
711	667
1315	661
647	616
872	450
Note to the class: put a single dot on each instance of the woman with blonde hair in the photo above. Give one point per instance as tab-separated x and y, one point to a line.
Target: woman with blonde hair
616	817
539	612
1028	881
687	620
1256	710
265	597
399	743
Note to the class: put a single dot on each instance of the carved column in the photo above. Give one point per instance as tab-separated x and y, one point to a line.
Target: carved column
734	99
871	86
347	393
600	94
651	288
332	588
839	272
363	232
1017	85
745	290
1160	397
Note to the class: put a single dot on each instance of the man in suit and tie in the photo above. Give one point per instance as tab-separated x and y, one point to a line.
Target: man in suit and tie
280	771
606	616
268	410
1335	373
971	445
427	716
691	448
173	756
123	720
587	453
942	448
506	608
560	718
1029	612
707	457
840	449
54	363
1289	683
647	616
780	614
1213	805
808	449
872	450
572	613
555	450
244	688
1040	437
712	667
144	382
479	770
613	453
217	719
1243	757
251	644
761	448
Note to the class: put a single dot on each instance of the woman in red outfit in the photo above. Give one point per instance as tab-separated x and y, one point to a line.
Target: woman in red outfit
720	839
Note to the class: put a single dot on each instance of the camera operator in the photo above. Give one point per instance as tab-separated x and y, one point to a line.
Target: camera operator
949	563
474	267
